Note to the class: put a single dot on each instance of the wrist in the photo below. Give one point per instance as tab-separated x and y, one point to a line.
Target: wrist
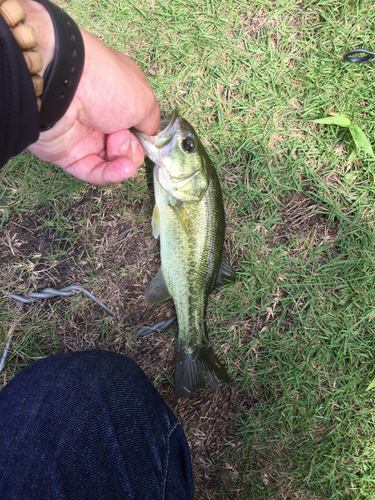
54	53
39	19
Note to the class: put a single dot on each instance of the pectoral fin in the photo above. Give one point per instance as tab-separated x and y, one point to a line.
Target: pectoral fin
157	290
183	217
155	223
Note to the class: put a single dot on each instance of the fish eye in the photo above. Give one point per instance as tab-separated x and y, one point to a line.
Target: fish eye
188	144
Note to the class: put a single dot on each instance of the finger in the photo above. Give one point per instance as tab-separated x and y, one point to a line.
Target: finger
151	122
94	170
123	144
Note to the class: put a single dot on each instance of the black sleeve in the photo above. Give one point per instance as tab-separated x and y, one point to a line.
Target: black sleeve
19	119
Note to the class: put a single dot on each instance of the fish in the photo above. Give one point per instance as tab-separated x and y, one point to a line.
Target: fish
189	218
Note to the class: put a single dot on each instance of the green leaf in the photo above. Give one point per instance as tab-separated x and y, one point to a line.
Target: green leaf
361	140
340	120
371	386
353	155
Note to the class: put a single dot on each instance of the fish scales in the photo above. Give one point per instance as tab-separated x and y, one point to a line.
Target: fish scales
193	258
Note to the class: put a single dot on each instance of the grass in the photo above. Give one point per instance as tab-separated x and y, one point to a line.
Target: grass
297	328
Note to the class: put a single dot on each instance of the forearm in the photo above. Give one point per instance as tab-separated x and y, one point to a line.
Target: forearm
19	124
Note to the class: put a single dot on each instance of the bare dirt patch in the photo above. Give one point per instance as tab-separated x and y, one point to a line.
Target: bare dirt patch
304	224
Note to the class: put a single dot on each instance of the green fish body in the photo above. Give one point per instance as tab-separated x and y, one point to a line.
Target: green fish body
189	218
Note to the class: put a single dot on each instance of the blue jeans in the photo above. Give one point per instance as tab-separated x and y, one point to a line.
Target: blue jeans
89	425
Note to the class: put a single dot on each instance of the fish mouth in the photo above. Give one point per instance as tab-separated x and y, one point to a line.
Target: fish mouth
153	145
167	123
166	179
184	177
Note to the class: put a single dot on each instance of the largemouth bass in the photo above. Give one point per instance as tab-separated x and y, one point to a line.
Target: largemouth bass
189	218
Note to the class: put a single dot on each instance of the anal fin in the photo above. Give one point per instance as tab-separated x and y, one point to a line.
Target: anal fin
157	290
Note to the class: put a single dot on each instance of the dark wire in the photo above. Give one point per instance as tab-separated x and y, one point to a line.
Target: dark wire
348	57
161	326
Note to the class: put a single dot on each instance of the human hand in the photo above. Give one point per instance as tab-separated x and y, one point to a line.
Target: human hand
92	140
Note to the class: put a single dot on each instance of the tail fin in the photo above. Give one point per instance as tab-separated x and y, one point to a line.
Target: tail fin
198	369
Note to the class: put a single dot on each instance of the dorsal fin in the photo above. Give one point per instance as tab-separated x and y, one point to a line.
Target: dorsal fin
226	272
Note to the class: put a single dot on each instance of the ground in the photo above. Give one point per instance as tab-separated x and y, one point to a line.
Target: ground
122	266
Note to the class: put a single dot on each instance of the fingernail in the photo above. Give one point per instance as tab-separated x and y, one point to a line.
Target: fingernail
124	148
